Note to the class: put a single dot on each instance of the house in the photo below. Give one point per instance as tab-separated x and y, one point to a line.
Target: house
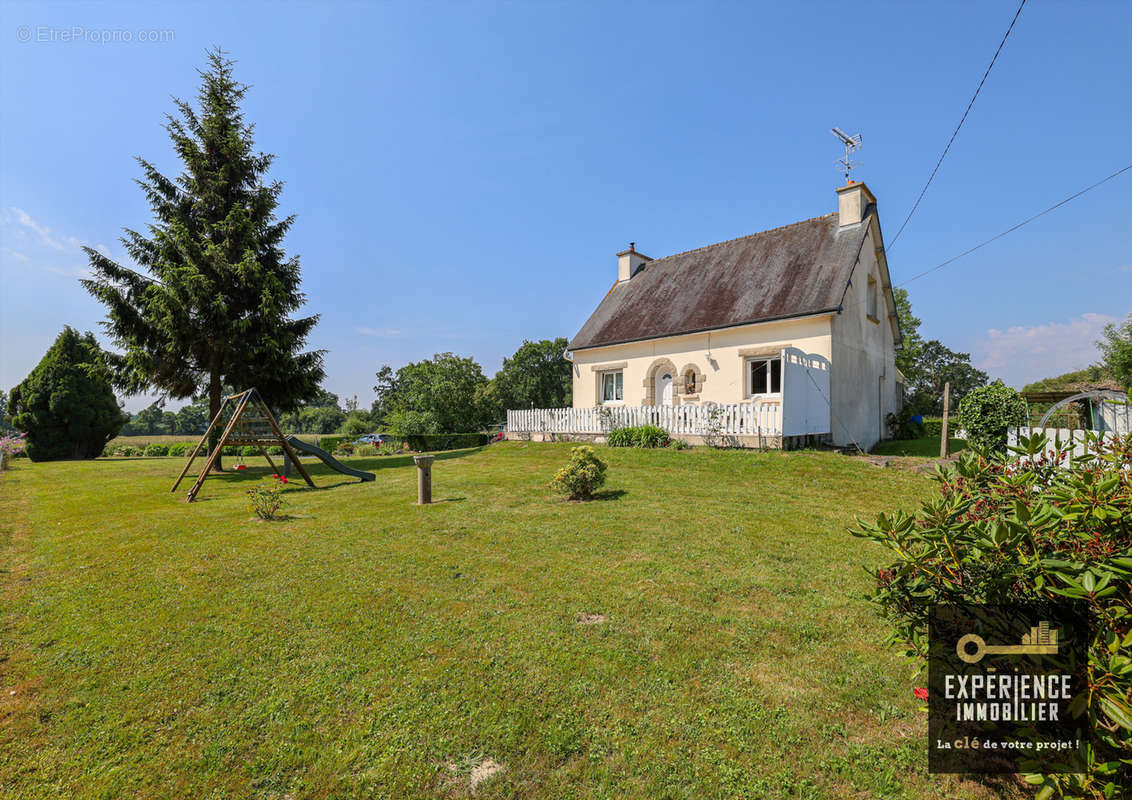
797	323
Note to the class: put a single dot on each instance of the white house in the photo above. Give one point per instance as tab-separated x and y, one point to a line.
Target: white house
791	333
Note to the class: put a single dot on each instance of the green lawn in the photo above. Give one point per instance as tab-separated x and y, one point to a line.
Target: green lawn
698	632
925	447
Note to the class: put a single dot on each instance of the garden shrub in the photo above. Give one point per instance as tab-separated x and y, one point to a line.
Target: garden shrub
988	411
266	497
933	426
345	449
638	436
446	441
66	405
181	448
581	476
366	450
1028	531
156	450
127	451
651	436
331	443
902	424
620	437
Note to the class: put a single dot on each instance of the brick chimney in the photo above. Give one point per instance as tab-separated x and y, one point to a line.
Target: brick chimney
853	202
629	262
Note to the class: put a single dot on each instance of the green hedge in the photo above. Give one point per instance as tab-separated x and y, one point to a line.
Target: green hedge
446	441
329	443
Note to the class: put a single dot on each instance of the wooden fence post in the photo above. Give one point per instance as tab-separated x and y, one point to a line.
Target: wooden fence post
944	442
424	479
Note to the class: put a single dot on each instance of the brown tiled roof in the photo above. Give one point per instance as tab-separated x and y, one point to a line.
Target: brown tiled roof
792	271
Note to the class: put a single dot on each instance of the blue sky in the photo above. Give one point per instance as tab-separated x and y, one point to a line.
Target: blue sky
463	173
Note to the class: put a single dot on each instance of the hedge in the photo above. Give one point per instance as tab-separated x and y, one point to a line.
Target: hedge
446	441
330	443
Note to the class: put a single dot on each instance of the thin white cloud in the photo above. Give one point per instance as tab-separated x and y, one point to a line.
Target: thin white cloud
70	272
385	333
12	254
1023	354
44	233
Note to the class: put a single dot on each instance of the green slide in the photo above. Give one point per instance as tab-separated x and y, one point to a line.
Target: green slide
328	459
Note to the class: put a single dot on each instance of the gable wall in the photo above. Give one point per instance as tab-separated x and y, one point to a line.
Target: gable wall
863	383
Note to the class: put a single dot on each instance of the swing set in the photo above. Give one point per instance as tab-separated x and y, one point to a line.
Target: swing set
250	423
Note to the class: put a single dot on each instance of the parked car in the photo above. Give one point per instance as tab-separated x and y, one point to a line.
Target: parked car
374	438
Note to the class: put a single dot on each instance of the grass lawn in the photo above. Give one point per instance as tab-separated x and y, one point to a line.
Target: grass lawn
698	632
925	447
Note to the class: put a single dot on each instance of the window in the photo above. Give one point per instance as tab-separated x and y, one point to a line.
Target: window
690	382
764	376
872	298
612	386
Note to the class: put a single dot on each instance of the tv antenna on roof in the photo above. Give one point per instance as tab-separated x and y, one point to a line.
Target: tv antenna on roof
852	144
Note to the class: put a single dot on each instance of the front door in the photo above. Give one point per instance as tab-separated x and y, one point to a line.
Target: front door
664	390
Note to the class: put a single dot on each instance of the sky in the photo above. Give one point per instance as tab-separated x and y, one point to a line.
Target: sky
463	174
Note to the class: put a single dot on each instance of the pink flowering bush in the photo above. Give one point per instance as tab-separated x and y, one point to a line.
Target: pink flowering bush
11	447
266	497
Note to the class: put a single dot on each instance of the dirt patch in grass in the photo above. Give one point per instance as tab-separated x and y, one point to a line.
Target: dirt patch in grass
586	618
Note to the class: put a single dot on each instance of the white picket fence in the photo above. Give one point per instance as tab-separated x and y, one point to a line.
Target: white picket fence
1059	437
736	419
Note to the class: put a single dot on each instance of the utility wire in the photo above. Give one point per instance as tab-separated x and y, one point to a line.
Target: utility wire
1024	222
957	127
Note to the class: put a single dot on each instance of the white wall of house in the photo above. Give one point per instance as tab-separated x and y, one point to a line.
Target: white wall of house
863	378
721	379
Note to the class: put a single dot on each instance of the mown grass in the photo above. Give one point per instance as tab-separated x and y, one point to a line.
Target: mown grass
368	647
924	447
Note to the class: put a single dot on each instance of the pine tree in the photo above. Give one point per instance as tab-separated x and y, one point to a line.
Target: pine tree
212	301
66	404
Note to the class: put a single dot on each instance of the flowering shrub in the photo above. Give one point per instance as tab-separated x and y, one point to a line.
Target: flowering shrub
1031	530
266	497
13	445
157	450
581	476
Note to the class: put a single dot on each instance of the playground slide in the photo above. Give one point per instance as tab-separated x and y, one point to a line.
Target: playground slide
327	459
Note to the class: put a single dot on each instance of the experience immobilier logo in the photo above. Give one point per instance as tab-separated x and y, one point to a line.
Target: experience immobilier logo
1006	688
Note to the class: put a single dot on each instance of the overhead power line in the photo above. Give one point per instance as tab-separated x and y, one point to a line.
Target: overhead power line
1024	222
943	155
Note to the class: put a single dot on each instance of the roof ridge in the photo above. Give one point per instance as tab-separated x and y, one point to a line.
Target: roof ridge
737	238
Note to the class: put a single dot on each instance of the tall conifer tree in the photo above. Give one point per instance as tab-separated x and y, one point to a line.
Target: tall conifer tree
211	303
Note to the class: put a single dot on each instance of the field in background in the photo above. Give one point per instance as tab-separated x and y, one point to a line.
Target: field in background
698	631
142	441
